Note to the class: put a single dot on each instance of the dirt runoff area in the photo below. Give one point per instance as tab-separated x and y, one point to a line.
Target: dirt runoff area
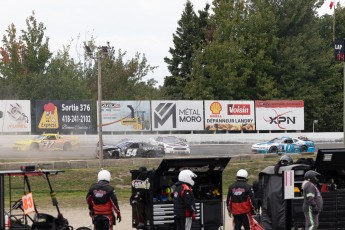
79	217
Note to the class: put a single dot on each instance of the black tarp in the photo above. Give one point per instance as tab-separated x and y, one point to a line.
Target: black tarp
275	208
330	163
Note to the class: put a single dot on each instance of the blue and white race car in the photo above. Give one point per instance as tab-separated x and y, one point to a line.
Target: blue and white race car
284	145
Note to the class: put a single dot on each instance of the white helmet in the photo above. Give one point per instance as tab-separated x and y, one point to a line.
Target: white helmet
104	175
242	173
187	176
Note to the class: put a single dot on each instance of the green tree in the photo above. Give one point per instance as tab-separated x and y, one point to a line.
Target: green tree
122	79
237	62
24	59
304	63
30	71
190	35
65	80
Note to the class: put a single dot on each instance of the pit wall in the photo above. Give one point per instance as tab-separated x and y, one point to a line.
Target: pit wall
135	162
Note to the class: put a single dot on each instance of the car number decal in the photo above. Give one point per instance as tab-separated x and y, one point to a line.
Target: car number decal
47	144
288	147
131	152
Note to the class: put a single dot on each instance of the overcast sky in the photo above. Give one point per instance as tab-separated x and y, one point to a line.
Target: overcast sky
144	26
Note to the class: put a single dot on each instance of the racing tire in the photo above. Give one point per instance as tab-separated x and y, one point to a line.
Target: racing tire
67	146
34	146
150	154
303	149
273	149
106	154
162	155
116	155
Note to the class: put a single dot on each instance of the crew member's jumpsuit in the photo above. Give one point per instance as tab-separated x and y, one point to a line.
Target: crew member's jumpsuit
184	206
312	205
102	201
240	202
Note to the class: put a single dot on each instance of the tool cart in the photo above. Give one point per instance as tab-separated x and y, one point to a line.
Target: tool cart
283	213
151	200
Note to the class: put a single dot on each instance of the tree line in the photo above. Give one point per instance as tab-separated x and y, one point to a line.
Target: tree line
230	50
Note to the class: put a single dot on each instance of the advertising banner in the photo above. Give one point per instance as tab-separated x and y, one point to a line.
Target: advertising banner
229	115
63	115
177	115
279	115
15	116
126	116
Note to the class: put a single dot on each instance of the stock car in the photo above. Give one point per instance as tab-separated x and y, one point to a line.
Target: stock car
132	149
48	141
114	151
171	144
284	145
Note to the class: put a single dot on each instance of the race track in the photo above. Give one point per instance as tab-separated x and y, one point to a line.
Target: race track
87	152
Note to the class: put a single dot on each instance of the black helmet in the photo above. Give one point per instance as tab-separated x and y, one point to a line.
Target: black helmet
286	160
311	175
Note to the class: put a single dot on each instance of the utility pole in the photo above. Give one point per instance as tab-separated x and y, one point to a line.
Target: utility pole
100	133
101	53
344	103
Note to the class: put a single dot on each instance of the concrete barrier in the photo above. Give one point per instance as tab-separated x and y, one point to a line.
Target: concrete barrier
76	164
136	162
193	139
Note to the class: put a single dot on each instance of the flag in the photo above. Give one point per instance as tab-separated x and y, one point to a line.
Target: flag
331	4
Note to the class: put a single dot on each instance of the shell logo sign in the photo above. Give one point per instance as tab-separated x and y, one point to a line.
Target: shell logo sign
229	115
49	119
216	107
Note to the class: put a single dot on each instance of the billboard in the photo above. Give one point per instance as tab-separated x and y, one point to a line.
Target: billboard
229	115
279	115
126	116
63	115
177	115
15	116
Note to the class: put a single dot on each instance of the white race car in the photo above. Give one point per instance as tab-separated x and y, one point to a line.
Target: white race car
284	145
172	144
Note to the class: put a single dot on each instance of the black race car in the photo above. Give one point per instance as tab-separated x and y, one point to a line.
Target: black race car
131	149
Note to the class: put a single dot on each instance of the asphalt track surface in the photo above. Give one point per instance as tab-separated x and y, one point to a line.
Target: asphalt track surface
88	152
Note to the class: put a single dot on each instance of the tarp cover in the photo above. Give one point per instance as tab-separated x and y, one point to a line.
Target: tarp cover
274	206
273	203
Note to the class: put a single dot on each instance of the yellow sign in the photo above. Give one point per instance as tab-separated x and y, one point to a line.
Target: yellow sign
50	118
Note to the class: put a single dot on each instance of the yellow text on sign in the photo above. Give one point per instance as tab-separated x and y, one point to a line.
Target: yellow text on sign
28	203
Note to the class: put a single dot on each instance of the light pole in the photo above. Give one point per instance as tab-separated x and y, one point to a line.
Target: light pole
339	53
102	52
314	122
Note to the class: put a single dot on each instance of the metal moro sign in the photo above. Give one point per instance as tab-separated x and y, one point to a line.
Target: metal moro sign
177	115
